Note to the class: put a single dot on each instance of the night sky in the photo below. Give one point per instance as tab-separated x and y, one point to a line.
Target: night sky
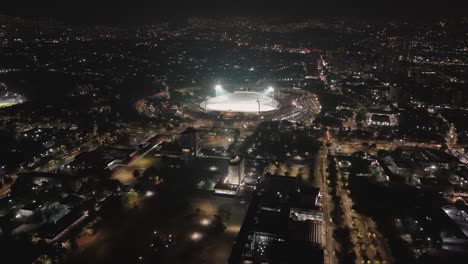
135	12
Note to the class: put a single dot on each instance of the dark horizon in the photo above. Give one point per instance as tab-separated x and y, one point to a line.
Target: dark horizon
119	14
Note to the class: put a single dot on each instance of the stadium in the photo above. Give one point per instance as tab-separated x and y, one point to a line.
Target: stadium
241	102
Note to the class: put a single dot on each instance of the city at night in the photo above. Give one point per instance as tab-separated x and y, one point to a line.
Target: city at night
229	135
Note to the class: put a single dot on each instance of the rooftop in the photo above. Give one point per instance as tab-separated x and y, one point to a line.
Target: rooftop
459	217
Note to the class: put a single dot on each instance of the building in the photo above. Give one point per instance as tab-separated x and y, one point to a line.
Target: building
102	158
381	118
236	170
407	162
31	184
235	177
455	234
283	225
189	141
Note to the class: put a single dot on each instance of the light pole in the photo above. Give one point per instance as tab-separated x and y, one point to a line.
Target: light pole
258	101
217	89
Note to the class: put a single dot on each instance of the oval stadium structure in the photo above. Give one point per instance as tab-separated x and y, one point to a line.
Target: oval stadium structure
241	102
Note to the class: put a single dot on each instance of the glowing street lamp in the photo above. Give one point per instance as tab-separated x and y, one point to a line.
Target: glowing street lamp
195	236
205	222
218	88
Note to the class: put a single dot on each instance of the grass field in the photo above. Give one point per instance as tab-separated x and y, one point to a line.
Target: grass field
2	105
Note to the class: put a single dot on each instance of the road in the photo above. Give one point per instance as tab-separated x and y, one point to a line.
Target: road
321	178
5	190
369	242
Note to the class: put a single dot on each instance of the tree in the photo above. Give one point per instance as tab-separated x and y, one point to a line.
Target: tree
349	257
8	180
225	213
112	209
383	153
150	172
73	243
361	116
218	224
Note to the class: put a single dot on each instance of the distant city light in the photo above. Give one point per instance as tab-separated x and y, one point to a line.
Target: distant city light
149	193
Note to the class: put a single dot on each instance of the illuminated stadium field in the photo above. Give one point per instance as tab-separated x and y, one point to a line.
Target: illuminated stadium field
242	102
9	101
6	104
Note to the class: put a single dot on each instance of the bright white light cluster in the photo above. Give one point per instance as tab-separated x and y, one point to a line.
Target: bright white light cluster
245	102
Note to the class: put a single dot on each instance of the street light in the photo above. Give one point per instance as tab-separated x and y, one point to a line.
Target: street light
218	88
195	236
205	222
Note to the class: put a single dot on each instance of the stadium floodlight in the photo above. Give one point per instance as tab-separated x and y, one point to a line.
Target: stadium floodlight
272	91
218	88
